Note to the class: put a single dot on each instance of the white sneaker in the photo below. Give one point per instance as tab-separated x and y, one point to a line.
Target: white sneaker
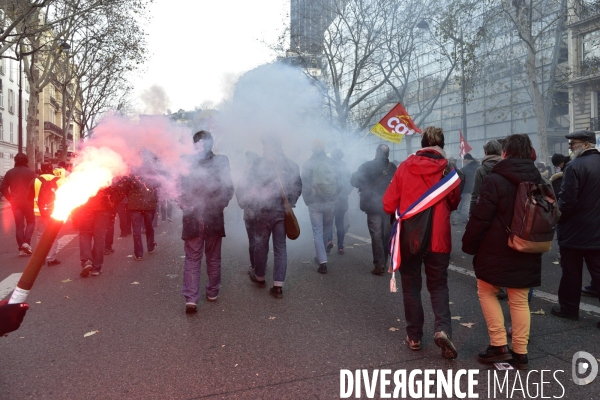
27	249
22	253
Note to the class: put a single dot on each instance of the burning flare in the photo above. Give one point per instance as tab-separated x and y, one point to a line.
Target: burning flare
94	169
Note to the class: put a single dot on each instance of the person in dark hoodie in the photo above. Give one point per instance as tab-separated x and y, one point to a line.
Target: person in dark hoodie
493	153
321	182
496	264
372	179
15	188
205	193
268	179
414	177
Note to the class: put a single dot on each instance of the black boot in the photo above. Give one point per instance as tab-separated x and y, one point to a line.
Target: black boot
559	312
494	354
520	361
322	268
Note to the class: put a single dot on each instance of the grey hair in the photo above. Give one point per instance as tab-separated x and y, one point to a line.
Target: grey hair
492	146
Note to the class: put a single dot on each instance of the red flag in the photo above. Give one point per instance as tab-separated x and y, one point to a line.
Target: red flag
395	125
464	146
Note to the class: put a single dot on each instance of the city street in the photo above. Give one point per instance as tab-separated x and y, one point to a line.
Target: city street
247	344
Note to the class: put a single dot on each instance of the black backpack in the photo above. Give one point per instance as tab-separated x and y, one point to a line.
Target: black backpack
47	195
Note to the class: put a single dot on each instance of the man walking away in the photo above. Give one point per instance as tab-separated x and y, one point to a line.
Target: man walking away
205	193
320	181
244	200
468	170
268	178
372	179
415	177
341	202
578	233
42	191
15	188
493	153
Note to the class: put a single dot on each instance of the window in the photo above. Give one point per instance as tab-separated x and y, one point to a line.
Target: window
11	133
2	66
11	101
51	90
1	95
591	46
10	70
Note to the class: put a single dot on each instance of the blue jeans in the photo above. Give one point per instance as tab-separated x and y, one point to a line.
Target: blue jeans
338	219
321	219
92	226
23	212
194	249
267	223
145	217
436	273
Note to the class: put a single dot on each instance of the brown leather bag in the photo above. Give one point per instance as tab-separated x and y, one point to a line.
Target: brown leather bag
292	228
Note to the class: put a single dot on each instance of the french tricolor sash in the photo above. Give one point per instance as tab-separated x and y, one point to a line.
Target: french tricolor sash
434	194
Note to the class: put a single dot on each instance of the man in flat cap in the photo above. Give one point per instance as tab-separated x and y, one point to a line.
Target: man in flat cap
578	233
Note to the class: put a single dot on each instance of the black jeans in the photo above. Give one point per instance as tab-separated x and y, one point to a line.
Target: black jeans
436	272
23	212
249	222
569	290
380	229
141	218
92	226
124	219
110	231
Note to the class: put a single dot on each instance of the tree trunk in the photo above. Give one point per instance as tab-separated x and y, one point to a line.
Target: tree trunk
538	105
33	127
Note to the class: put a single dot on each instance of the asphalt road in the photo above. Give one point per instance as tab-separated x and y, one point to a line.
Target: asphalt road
248	345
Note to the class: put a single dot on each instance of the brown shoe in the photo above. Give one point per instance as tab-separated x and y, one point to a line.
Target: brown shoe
378	271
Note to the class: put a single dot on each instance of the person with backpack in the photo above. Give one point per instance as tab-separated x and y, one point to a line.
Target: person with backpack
261	193
372	179
15	188
320	180
502	257
425	175
578	233
43	192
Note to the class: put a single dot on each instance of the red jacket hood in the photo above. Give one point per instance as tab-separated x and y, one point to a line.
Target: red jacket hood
420	164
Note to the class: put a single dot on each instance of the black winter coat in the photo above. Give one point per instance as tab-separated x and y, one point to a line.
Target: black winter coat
205	193
16	183
486	236
372	179
579	203
487	164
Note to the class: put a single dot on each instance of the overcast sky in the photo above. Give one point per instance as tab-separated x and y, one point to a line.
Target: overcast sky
198	46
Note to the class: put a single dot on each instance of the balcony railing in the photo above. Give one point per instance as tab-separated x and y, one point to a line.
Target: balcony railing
49	126
590	66
54	102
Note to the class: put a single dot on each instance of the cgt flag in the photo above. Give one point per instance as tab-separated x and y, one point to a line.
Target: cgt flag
395	125
464	146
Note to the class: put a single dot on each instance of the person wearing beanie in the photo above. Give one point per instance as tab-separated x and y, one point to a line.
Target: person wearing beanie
15	188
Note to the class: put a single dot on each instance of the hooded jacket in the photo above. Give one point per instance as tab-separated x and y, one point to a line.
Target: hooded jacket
486	235
16	183
579	202
413	178
308	170
205	193
481	173
372	179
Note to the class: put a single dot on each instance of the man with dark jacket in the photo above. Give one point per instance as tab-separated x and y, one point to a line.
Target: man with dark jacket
270	177
205	193
93	222
578	233
372	179
560	163
468	170
341	202
493	154
414	177
15	188
321	187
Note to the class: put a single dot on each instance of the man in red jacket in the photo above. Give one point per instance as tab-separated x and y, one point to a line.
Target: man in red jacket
412	179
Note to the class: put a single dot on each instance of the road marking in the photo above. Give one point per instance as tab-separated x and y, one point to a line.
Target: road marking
358	237
9	284
536	293
64	241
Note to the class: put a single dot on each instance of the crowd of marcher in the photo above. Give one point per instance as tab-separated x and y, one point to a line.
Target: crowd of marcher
487	197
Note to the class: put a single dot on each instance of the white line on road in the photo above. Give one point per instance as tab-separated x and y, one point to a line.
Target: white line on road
537	293
64	241
358	237
9	284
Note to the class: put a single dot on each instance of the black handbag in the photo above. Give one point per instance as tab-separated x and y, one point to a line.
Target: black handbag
415	234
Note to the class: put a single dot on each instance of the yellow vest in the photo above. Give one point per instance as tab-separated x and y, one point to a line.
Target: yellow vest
38	184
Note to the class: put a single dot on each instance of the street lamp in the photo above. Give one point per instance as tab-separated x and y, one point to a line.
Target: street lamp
423	24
